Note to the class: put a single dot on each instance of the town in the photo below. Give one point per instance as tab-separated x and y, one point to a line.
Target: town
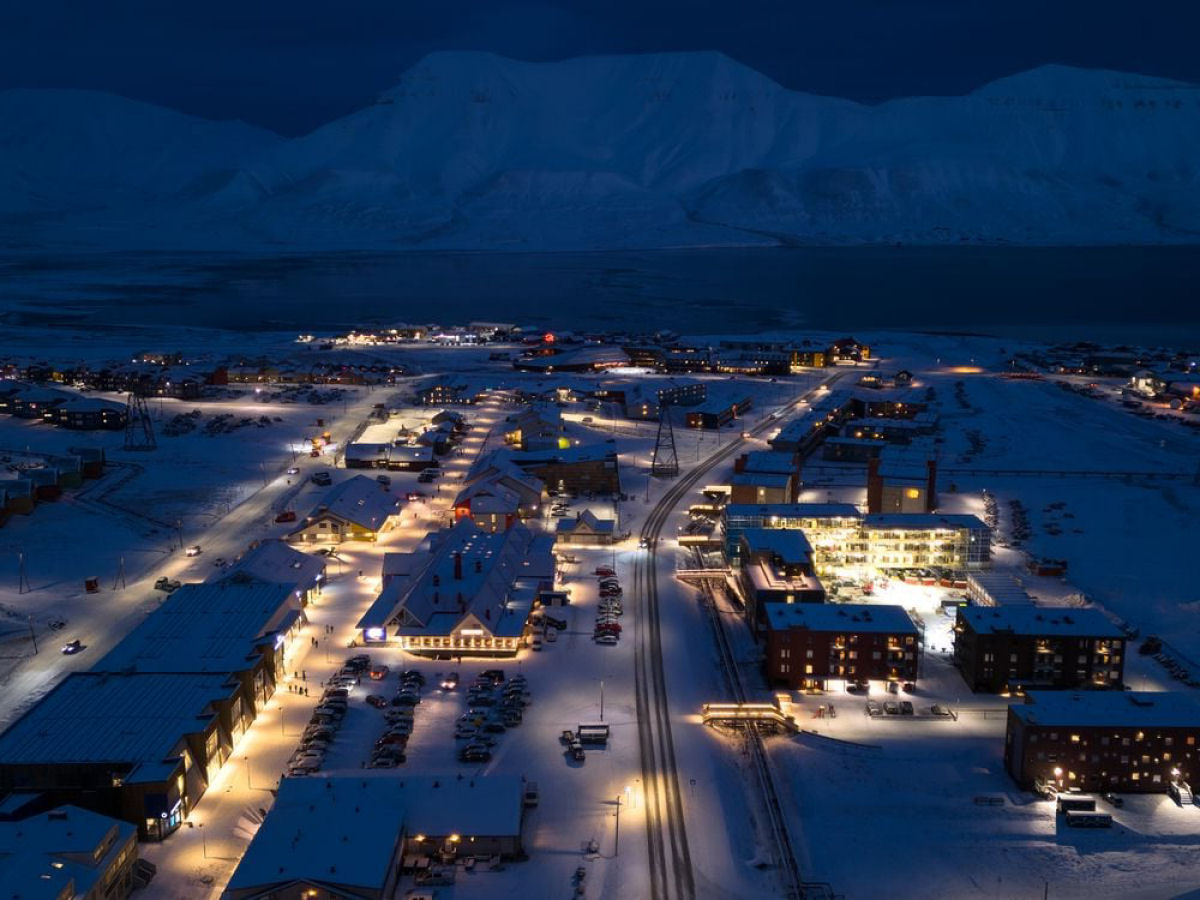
448	611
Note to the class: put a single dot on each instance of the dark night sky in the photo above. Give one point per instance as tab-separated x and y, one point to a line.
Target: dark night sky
291	66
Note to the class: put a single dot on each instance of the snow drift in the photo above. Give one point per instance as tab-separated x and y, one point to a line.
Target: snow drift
473	151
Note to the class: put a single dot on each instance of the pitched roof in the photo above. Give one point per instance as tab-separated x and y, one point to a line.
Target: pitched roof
361	501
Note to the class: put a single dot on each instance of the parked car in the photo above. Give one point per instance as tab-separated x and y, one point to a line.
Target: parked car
604	571
873	708
167	584
379	672
413	675
323	479
385	480
891	707
288	515
906	708
450	682
606	639
938	710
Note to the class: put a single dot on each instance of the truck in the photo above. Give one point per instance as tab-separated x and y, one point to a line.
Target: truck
593	733
1085	819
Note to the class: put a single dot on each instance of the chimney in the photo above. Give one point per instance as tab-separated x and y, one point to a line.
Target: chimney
874	487
458	566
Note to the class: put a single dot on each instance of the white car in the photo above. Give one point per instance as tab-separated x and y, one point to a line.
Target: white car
608	639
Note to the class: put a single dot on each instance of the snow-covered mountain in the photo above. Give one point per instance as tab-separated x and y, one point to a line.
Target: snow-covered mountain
475	151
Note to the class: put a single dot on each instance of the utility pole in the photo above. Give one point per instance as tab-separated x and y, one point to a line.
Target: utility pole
33	636
22	579
601	699
120	579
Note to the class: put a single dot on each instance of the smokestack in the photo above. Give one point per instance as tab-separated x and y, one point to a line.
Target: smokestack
458	566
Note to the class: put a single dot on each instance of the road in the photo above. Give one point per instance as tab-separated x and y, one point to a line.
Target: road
671	871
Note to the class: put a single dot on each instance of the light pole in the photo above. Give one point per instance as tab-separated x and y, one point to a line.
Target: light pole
601	699
249	787
617	830
203	839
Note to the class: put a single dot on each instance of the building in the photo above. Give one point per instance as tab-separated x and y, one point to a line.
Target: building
274	562
765	476
499	476
848	544
811	644
592	358
68	852
718	412
833	530
996	589
896	484
1024	646
838	448
141	746
906	541
776	567
490	505
578	470
536	429
1125	741
643	399
358	509
465	592
585	529
236	627
352	836
90	414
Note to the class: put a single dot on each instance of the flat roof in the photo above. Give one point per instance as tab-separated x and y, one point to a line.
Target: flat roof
1039	620
769	511
1145	709
347	828
114	717
205	628
789	544
923	521
38	853
761	479
840	617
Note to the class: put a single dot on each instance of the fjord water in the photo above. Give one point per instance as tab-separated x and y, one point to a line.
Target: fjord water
1134	294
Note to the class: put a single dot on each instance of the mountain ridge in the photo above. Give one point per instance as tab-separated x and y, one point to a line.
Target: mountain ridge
475	151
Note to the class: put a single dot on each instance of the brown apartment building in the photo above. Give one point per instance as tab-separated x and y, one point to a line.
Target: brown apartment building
1026	646
810	644
1103	740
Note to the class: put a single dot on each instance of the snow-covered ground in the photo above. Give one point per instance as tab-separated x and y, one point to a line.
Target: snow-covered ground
873	805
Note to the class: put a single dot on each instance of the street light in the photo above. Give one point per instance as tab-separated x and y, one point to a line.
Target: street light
617	831
203	839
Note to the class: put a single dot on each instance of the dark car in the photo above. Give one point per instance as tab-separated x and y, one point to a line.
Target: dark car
413	675
72	648
906	708
377	701
475	754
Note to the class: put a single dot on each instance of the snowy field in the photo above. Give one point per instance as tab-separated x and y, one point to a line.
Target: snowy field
875	806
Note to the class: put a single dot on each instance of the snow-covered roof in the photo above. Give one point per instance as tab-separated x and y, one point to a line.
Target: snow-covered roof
117	717
841	617
1038	620
344	831
1132	709
348	829
39	854
469	573
215	627
274	562
761	479
776	461
585	521
789	544
359	500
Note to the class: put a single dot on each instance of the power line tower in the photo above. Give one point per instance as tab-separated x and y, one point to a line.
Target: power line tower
139	430
665	461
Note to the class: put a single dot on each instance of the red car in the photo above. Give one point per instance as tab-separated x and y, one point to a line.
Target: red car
611	627
604	572
288	515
